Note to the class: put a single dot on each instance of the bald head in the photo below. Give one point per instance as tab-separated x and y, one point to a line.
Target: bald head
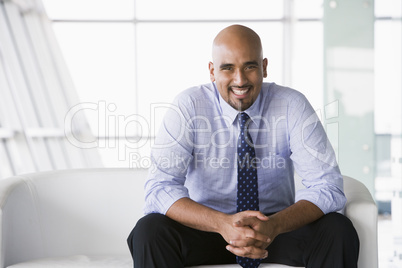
236	36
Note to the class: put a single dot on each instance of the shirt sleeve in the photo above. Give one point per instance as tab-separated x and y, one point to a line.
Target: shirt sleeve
170	157
314	159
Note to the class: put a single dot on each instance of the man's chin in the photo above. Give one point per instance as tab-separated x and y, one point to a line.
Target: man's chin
240	105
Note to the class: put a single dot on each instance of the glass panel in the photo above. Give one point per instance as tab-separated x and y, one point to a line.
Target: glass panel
121	158
50	89
388	93
40	153
388	111
173	57
75	154
349	86
16	79
209	9
8	112
308	8
57	153
89	9
101	58
20	155
29	65
388	8
307	67
6	169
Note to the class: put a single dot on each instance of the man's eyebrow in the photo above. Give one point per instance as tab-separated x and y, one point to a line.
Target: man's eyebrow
225	65
251	63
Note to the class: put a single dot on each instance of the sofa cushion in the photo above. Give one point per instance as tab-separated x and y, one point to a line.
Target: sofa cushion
78	261
84	261
262	265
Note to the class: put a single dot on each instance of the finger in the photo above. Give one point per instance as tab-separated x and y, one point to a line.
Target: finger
258	214
249	242
248	233
249	221
248	252
245	243
251	233
246	222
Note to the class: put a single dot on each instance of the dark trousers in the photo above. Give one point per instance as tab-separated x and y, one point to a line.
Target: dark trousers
158	241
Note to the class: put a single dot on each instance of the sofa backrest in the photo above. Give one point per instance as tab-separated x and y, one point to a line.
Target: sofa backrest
69	212
60	213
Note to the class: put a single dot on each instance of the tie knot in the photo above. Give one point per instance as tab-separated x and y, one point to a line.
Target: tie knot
244	120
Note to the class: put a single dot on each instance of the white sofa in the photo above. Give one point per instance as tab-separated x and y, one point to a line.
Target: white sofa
81	218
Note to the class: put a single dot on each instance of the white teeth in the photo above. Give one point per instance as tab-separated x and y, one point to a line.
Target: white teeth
240	92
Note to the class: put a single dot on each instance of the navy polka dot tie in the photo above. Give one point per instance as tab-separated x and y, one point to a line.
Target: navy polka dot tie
247	183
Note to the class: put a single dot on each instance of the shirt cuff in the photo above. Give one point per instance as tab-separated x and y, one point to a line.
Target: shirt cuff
329	199
162	199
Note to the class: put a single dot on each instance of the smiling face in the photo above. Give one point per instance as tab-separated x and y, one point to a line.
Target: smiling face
238	67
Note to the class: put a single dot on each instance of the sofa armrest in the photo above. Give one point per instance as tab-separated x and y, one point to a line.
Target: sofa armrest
6	188
19	236
362	211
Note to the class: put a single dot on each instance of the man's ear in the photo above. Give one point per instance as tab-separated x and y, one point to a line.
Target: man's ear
264	67
211	71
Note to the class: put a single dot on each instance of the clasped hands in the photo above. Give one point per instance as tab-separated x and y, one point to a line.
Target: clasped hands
248	234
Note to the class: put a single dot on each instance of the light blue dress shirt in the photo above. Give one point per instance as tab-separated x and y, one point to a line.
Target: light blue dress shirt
195	153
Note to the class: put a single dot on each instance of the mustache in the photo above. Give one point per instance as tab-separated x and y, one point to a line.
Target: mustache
239	87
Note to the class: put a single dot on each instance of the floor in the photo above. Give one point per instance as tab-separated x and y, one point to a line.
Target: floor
388	243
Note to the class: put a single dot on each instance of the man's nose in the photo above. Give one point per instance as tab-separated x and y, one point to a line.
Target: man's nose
240	78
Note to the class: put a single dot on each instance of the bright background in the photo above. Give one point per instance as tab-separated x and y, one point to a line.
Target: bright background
129	58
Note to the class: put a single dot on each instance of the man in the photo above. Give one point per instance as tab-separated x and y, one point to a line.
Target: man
221	189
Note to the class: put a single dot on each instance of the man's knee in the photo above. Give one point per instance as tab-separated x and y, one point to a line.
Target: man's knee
340	228
146	229
337	221
156	242
335	243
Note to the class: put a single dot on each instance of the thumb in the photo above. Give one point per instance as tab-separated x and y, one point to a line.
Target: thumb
258	214
250	220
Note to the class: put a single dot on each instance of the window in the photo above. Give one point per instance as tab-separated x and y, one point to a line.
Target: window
143	53
36	95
